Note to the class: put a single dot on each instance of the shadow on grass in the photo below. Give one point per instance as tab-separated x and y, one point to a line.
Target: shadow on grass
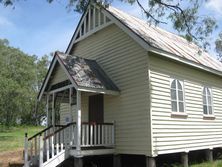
6	129
5	138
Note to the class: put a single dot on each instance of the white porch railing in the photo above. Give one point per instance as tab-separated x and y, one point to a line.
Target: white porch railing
97	135
48	147
33	144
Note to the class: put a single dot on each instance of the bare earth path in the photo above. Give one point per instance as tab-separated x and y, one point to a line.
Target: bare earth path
12	157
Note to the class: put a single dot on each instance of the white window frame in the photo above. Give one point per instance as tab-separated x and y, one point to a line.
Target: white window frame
177	112
207	102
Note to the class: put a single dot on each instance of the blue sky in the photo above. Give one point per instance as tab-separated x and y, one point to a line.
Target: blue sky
37	27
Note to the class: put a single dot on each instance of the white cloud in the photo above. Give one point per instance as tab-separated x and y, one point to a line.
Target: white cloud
215	5
4	22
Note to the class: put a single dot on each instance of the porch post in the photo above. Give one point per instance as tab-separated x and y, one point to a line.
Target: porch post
47	109
53	111
78	121
70	103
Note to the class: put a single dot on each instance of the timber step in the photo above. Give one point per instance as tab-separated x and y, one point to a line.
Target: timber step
16	164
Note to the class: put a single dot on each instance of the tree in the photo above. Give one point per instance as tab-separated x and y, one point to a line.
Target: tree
184	16
218	48
20	78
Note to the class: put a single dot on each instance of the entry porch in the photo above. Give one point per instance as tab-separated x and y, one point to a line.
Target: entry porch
76	130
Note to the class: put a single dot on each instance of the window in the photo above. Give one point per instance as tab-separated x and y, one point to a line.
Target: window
177	97
207	101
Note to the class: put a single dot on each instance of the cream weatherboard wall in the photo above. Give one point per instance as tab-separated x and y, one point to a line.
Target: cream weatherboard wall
65	110
58	75
126	63
178	133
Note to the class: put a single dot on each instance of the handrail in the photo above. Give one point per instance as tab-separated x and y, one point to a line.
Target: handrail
64	126
42	131
95	123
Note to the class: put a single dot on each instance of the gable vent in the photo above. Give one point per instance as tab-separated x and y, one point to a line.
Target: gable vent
93	20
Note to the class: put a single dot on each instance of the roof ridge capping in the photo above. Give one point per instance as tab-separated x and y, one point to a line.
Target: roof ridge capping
62	54
167	43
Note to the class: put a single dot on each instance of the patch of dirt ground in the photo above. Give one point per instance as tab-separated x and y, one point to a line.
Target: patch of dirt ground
11	157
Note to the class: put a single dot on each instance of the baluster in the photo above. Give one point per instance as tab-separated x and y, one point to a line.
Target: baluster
40	151
94	18
89	18
70	135
113	135
99	17
104	19
91	135
102	135
66	139
31	148
52	142
84	27
73	134
99	135
35	140
57	142
61	140
95	134
108	134
83	134
44	144
47	149
104	132
87	134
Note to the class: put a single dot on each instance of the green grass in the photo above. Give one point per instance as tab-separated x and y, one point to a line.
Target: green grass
217	163
13	138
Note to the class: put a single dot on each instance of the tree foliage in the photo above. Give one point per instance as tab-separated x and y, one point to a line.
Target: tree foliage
218	44
20	78
184	16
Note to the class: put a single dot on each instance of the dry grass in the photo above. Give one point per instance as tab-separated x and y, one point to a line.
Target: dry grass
7	157
12	143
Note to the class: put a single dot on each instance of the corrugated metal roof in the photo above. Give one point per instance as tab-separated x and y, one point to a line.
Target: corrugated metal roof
166	41
86	73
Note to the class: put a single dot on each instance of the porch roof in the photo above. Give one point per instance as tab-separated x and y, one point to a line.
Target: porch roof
84	74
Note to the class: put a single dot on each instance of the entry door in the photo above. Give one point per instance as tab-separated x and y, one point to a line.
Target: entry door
96	109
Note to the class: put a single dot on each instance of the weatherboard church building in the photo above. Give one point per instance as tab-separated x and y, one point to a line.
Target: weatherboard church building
124	87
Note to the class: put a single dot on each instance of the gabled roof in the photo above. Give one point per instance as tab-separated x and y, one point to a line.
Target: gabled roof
155	39
164	40
84	74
